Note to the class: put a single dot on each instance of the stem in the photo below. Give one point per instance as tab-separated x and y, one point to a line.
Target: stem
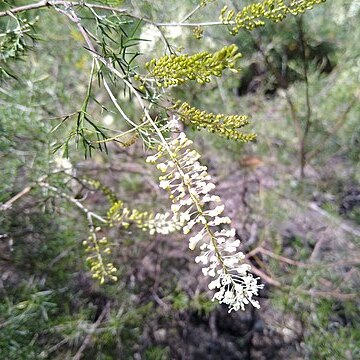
67	4
76	202
308	120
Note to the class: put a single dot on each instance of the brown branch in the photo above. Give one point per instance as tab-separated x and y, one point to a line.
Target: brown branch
294	115
286	260
48	3
7	205
74	201
38	5
264	276
282	258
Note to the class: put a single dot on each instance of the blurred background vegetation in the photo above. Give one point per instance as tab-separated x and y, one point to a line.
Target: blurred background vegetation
294	197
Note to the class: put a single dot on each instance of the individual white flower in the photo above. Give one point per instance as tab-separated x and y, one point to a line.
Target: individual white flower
243	269
215	212
220	220
207	188
175	208
211	198
231	262
165	184
195	239
214	284
108	119
185	216
231	246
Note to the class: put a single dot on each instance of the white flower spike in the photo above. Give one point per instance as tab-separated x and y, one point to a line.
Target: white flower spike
189	186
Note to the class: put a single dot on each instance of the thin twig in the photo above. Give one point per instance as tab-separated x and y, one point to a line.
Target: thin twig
351	229
73	201
264	276
344	226
190	14
339	123
88	337
308	119
67	4
327	294
259	249
33	6
7	205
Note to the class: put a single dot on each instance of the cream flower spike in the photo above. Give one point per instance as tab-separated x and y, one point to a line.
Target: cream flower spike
189	187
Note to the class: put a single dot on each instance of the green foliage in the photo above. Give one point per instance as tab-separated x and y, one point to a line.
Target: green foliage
156	353
21	322
15	43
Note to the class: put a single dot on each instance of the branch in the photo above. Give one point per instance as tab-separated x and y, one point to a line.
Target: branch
49	3
344	226
351	229
38	5
264	276
277	257
76	202
7	205
328	294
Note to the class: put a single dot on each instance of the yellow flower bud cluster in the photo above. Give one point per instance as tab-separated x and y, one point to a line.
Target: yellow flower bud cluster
198	32
96	184
173	70
120	214
98	251
224	125
144	220
253	15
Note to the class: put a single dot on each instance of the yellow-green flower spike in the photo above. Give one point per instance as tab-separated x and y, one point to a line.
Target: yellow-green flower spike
224	125
172	70
253	15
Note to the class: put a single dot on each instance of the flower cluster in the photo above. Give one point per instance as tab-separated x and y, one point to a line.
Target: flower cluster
253	15
224	125
198	32
147	221
172	70
189	186
120	214
98	250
